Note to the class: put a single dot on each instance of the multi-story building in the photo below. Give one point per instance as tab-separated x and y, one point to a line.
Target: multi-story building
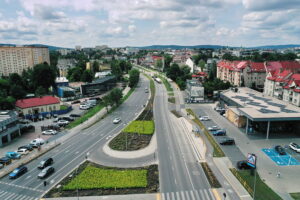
17	59
242	73
9	127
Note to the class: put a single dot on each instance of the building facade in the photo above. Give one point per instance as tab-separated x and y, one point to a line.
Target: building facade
17	59
9	127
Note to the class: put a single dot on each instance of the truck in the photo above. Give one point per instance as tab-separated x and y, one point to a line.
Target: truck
13	155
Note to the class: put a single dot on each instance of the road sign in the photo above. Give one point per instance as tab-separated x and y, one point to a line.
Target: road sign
251	160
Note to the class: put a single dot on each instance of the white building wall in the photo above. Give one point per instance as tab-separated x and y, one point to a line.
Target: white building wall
189	62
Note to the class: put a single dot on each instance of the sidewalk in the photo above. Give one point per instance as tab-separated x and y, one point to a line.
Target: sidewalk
153	196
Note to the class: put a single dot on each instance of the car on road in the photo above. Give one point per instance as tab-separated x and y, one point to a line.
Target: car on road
63	122
280	150
213	128
204	118
116	120
75	115
28	147
13	155
46	172
219	132
45	163
23	151
227	141
5	160
18	172
49	132
295	147
242	164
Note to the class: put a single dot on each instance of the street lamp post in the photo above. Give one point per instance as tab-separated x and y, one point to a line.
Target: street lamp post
77	184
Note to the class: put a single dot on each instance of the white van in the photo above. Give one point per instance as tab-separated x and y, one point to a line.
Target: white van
37	142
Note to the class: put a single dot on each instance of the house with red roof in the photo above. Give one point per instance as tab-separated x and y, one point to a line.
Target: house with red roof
38	105
240	73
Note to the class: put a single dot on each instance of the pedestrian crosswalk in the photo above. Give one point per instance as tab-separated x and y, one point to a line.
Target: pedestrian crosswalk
201	194
4	195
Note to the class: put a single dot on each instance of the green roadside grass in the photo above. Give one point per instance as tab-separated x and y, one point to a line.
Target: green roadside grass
63	107
166	83
98	178
217	149
140	127
262	190
295	196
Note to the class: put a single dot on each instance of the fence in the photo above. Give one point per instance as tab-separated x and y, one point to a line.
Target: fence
45	114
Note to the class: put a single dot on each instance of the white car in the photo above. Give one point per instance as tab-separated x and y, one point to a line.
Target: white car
63	122
23	151
295	147
116	120
204	118
213	128
84	107
37	142
49	132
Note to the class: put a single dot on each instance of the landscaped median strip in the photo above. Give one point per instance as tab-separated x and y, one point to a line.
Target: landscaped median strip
217	150
262	190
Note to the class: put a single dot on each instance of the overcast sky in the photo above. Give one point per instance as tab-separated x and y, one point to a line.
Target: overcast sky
117	23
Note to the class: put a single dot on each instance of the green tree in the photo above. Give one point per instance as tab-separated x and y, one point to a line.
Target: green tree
74	74
116	69
7	103
95	67
202	65
43	75
158	64
134	76
15	79
17	92
213	71
116	96
87	76
125	66
107	101
167	59
173	72
40	91
4	87
227	56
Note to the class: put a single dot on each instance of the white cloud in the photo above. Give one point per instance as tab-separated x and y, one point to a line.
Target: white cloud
262	5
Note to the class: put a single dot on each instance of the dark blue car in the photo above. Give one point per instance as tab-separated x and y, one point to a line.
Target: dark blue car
219	132
18	172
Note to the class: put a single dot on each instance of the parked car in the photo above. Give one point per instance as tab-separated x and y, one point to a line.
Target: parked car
1	165
49	132
70	119
280	150
213	128
116	120
295	147
46	172
76	101
37	142
41	117
204	118
5	160
75	115
227	141
219	132
84	107
28	147
23	151
45	163
13	155
63	122
243	165
18	172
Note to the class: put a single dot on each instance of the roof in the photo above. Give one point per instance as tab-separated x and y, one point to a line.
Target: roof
240	65
37	101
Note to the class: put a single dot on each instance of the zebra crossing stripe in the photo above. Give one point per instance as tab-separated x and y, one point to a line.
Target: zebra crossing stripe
182	195
177	195
173	195
197	194
192	194
206	194
9	196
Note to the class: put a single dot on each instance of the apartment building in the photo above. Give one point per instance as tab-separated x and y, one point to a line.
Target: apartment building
17	59
242	73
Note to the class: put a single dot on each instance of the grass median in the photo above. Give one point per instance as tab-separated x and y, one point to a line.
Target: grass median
141	127
262	190
217	149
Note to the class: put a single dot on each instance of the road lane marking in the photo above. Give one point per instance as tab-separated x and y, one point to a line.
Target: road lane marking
158	196
23	187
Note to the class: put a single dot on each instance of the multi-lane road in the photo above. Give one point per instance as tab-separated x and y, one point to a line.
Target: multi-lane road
73	151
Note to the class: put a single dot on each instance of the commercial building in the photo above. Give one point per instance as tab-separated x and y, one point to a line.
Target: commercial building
64	65
98	86
17	59
260	114
9	127
195	91
38	105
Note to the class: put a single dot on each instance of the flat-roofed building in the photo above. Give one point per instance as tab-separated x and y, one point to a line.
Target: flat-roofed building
9	127
17	59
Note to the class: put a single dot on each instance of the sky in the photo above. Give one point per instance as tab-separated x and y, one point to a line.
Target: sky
119	23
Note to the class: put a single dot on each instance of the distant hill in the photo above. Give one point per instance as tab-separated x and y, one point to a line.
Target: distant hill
51	48
285	46
181	47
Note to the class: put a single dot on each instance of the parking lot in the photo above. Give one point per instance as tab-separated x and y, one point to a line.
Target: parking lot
292	158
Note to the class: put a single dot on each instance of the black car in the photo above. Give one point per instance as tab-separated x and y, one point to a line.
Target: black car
29	147
280	150
5	160
46	172
18	172
45	163
75	115
243	165
227	141
69	119
76	101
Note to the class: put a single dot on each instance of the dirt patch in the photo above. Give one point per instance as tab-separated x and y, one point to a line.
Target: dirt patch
152	184
134	142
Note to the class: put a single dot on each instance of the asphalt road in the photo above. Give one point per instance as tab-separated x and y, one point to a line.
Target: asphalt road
181	177
73	151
